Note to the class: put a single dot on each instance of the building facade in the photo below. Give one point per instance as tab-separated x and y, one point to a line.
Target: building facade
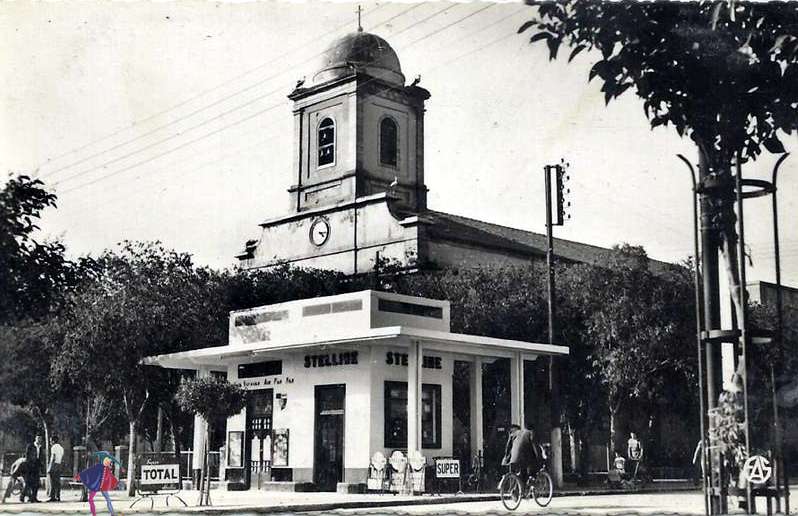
356	190
333	381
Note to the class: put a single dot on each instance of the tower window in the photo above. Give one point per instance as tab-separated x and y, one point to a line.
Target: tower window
388	142
326	142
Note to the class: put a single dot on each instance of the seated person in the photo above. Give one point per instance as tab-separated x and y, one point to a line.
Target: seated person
618	471
17	471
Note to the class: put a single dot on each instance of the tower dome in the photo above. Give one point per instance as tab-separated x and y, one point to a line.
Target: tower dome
360	51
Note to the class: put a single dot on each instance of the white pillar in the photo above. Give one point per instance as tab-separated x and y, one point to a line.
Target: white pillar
517	389
200	430
414	358
476	406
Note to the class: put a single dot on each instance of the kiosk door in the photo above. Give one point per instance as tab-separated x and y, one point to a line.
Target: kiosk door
328	457
259	436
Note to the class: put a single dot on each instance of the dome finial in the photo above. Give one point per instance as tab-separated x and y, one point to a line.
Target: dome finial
359	11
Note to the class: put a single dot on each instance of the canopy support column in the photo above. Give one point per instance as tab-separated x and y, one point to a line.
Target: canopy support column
517	389
200	431
414	359
476	406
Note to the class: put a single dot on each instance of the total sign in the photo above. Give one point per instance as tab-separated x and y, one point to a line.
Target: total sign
160	474
447	468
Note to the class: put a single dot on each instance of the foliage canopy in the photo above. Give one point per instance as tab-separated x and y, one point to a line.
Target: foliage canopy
722	72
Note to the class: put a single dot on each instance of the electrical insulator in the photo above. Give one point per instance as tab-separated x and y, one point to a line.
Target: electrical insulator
561	191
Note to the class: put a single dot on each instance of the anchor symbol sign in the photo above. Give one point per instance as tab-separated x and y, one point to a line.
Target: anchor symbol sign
757	469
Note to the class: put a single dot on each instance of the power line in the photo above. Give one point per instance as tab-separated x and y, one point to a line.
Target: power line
211	133
217	117
194	168
440	29
189	115
141	121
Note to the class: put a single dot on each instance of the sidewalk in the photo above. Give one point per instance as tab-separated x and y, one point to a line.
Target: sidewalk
265	502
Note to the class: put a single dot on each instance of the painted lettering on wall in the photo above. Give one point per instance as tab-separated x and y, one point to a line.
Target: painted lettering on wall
331	359
400	359
258	383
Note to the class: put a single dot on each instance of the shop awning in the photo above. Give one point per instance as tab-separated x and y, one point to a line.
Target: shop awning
222	356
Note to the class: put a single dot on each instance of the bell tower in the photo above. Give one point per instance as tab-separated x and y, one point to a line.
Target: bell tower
358	129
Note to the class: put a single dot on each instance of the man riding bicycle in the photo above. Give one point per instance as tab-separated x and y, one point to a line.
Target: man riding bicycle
521	452
527	476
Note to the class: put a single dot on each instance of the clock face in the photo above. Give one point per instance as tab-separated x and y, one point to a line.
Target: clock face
319	232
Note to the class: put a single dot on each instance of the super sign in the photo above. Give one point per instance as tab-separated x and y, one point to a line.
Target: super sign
447	468
160	474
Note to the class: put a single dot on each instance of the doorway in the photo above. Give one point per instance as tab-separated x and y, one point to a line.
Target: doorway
328	456
259	437
461	413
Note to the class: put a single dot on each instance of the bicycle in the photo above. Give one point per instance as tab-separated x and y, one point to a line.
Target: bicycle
539	486
15	487
474	479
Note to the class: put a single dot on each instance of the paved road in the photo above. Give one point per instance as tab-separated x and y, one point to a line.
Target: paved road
655	503
254	502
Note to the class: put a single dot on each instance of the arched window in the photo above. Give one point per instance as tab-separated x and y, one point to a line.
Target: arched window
388	142
326	142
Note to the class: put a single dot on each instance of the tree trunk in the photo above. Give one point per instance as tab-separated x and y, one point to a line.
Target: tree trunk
174	433
202	481
159	431
205	472
649	437
46	428
131	461
573	442
613	435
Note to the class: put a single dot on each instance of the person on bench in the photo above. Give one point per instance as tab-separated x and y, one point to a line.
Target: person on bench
617	474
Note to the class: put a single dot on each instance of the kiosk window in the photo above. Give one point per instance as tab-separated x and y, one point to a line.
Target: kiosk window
396	415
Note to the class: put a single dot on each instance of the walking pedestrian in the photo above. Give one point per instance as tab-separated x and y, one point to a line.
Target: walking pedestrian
34	459
54	470
100	477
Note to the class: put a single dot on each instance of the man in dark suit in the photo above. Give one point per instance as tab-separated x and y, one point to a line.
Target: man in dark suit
521	452
34	458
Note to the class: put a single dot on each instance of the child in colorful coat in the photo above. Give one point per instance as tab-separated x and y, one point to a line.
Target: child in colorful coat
100	477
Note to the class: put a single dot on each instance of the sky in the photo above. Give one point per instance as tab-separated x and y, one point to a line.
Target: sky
169	121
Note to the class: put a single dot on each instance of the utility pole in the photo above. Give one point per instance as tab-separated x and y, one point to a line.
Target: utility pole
554	377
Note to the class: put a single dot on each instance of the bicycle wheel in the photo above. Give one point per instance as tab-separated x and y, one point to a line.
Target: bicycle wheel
17	487
543	489
510	491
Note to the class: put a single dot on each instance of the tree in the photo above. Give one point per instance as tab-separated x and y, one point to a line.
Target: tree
722	73
34	273
24	371
144	300
639	326
212	398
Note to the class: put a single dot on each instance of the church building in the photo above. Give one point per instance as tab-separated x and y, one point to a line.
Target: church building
357	193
